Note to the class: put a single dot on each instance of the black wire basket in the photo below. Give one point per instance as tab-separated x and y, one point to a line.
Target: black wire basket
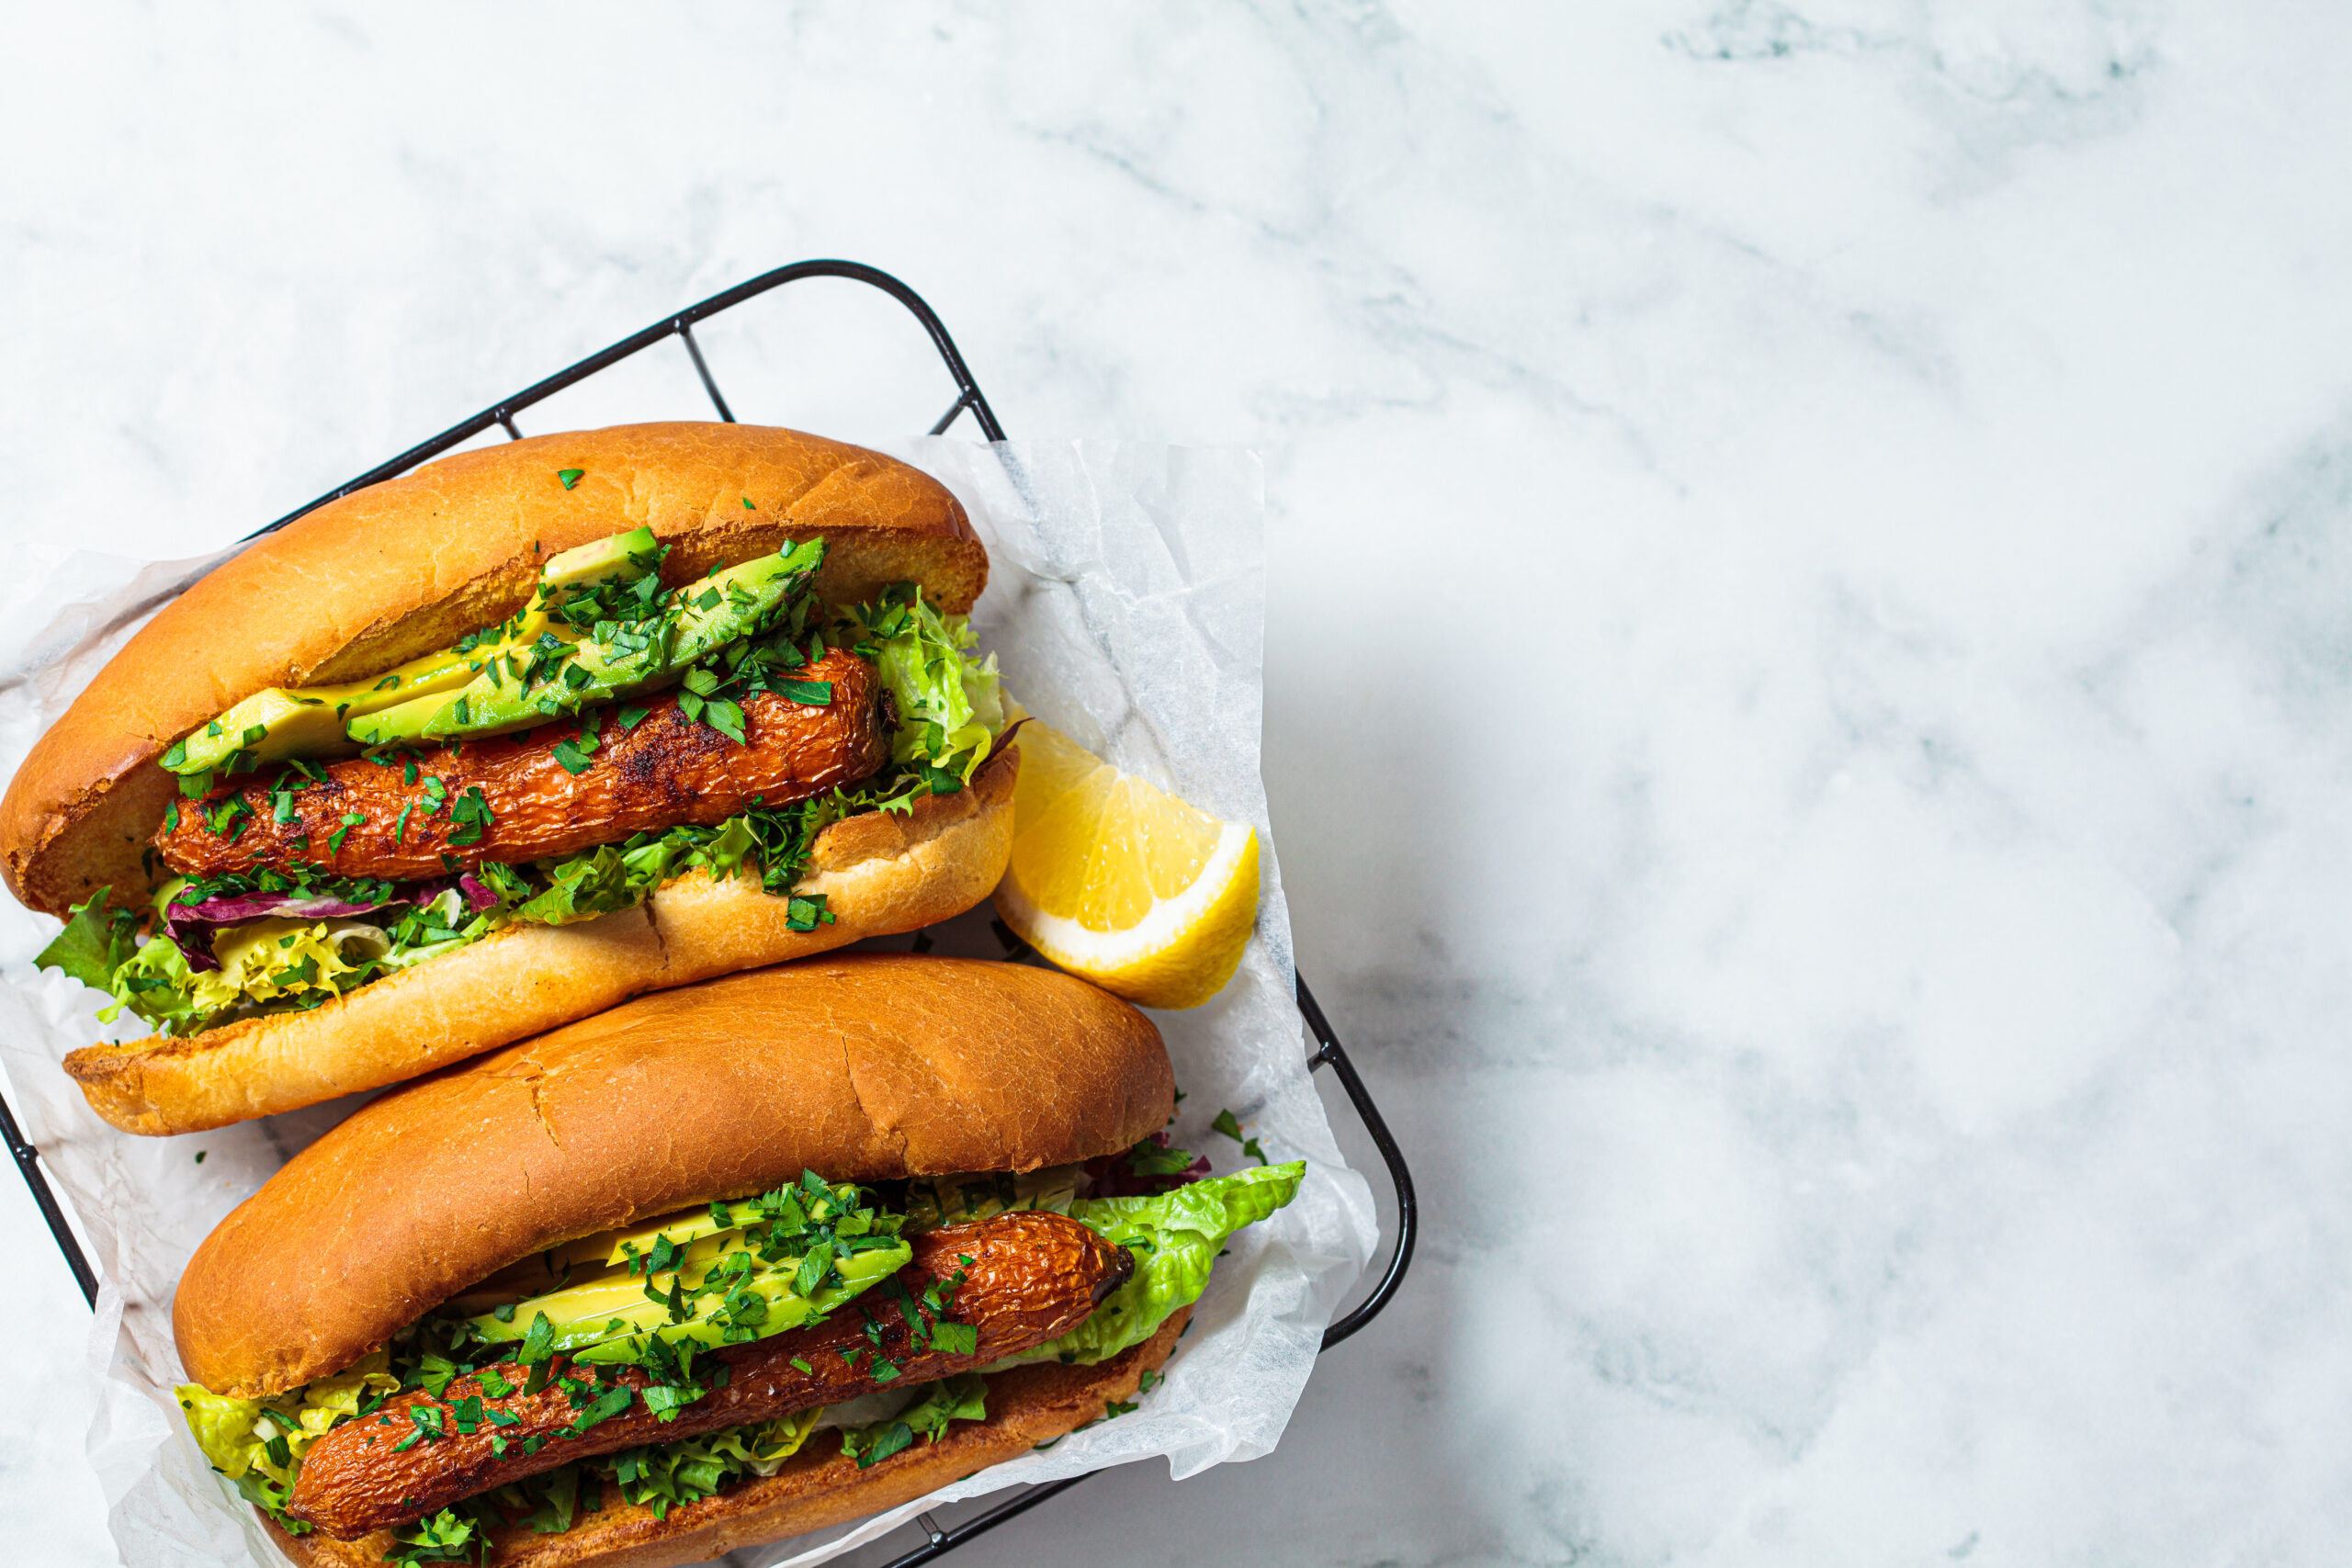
940	1540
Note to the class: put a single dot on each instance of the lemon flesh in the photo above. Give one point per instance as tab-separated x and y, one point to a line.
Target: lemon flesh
1111	879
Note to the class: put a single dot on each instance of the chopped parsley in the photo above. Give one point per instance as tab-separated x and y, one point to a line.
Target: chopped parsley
1225	1124
426	1418
572	752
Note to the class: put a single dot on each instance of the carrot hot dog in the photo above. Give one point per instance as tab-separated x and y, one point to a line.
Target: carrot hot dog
525	796
1019	1278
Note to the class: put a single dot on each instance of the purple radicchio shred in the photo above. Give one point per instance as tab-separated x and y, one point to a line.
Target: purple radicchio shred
192	927
467	887
1116	1177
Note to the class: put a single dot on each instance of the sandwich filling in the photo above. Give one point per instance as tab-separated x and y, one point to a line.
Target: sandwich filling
559	765
665	1363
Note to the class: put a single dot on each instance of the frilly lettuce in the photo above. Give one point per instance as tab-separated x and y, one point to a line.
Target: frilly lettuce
950	709
1175	1237
259	1443
664	1475
963	1397
95	943
273	963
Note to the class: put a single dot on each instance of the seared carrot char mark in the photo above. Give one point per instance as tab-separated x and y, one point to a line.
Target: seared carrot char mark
1032	1277
415	807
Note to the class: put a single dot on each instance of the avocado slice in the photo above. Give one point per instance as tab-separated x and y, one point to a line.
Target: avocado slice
609	1316
623	558
277	722
577	670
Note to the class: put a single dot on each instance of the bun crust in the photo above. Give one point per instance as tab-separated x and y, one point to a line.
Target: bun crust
400	569
815	1488
880	873
861	1066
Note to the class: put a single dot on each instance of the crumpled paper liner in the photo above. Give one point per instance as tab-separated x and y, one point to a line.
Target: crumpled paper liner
1126	608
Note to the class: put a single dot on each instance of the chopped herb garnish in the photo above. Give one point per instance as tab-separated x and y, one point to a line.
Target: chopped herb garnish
611	1403
572	752
810	694
570	476
1225	1124
538	1342
426	1418
469	816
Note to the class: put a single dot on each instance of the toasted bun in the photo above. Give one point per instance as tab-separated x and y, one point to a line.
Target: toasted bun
815	1488
393	571
880	874
861	1067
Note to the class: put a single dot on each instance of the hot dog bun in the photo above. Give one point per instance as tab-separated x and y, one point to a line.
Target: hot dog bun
393	571
880	874
403	567
863	1066
817	1487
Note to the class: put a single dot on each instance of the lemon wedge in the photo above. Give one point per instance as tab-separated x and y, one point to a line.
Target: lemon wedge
1147	896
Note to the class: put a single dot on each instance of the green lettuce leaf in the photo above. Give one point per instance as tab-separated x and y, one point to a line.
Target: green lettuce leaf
1175	1239
259	1443
94	943
445	1537
963	1397
663	1475
950	707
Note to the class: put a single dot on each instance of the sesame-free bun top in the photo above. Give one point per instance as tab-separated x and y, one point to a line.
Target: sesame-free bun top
396	571
864	1067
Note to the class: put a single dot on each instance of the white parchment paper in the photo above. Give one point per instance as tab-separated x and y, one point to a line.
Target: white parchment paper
1126	606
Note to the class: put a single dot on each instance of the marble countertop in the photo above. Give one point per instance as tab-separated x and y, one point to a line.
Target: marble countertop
1809	706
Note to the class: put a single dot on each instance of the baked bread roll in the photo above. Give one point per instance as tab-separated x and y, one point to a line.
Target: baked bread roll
407	566
861	1067
1038	1250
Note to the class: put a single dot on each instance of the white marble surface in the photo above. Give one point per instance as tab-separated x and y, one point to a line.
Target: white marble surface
1810	668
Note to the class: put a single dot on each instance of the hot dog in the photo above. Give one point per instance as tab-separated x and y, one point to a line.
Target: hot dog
283	794
1019	1278
660	1331
408	814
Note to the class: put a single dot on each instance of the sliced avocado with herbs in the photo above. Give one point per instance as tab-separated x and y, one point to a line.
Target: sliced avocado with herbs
562	671
278	723
623	558
608	1317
